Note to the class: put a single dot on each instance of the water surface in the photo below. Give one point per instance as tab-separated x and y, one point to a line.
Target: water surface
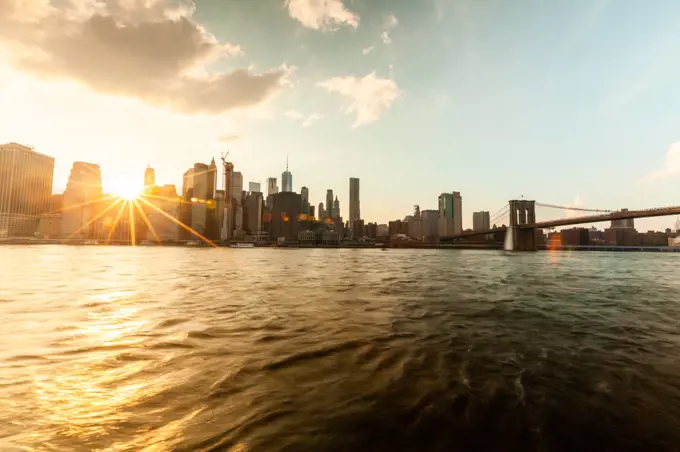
160	349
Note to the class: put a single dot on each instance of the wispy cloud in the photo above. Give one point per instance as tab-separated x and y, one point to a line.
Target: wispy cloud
306	120
367	50
229	138
671	165
388	24
578	202
369	97
322	15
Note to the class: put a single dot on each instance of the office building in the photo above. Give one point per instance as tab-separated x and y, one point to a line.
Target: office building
629	223
312	212
25	189
285	216
321	213
575	237
252	213
272	187
336	209
304	196
457	213
329	203
354	204
228	215
481	221
450	214
82	201
254	186
358	229
149	178
167	200
200	184
287	179
429	224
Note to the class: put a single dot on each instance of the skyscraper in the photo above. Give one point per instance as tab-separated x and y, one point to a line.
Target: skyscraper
336	209
481	221
272	187
83	189
329	203
354	206
304	194
287	179
321	213
450	213
254	187
457	213
149	178
25	189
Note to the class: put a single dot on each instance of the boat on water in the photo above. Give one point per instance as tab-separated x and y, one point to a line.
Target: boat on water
193	243
242	245
91	242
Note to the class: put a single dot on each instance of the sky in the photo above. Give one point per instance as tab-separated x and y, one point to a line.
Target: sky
568	103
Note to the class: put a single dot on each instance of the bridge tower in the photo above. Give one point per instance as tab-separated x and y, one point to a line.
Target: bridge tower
522	212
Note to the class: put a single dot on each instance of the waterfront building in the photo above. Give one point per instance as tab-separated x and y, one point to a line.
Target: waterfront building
25	189
83	202
254	186
304	195
354	203
329	203
481	221
149	178
285	216
336	209
252	212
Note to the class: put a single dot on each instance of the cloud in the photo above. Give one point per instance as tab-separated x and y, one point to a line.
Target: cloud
369	97
147	49
389	23
229	138
367	50
322	15
311	119
305	120
294	114
671	166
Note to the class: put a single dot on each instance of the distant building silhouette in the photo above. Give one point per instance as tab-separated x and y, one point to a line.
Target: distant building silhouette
285	223
287	179
304	195
481	221
254	186
329	204
82	202
25	189
354	203
149	178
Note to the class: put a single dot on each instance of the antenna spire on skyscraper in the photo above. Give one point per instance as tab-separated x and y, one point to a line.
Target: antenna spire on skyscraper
286	162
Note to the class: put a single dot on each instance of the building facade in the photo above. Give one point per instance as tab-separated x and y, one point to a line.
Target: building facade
254	186
304	196
329	204
149	178
285	216
287	180
25	189
272	187
481	221
354	203
83	201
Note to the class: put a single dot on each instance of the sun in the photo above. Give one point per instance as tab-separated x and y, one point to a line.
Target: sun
127	189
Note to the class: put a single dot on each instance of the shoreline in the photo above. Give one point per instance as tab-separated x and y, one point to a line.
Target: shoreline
421	246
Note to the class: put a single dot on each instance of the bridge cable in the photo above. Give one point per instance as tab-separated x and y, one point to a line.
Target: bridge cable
554	206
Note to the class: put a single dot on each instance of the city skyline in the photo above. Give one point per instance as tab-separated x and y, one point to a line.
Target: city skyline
486	111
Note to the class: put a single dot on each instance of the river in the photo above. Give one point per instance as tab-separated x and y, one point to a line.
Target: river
178	349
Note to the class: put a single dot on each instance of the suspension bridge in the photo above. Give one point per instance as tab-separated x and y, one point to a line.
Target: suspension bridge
520	216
